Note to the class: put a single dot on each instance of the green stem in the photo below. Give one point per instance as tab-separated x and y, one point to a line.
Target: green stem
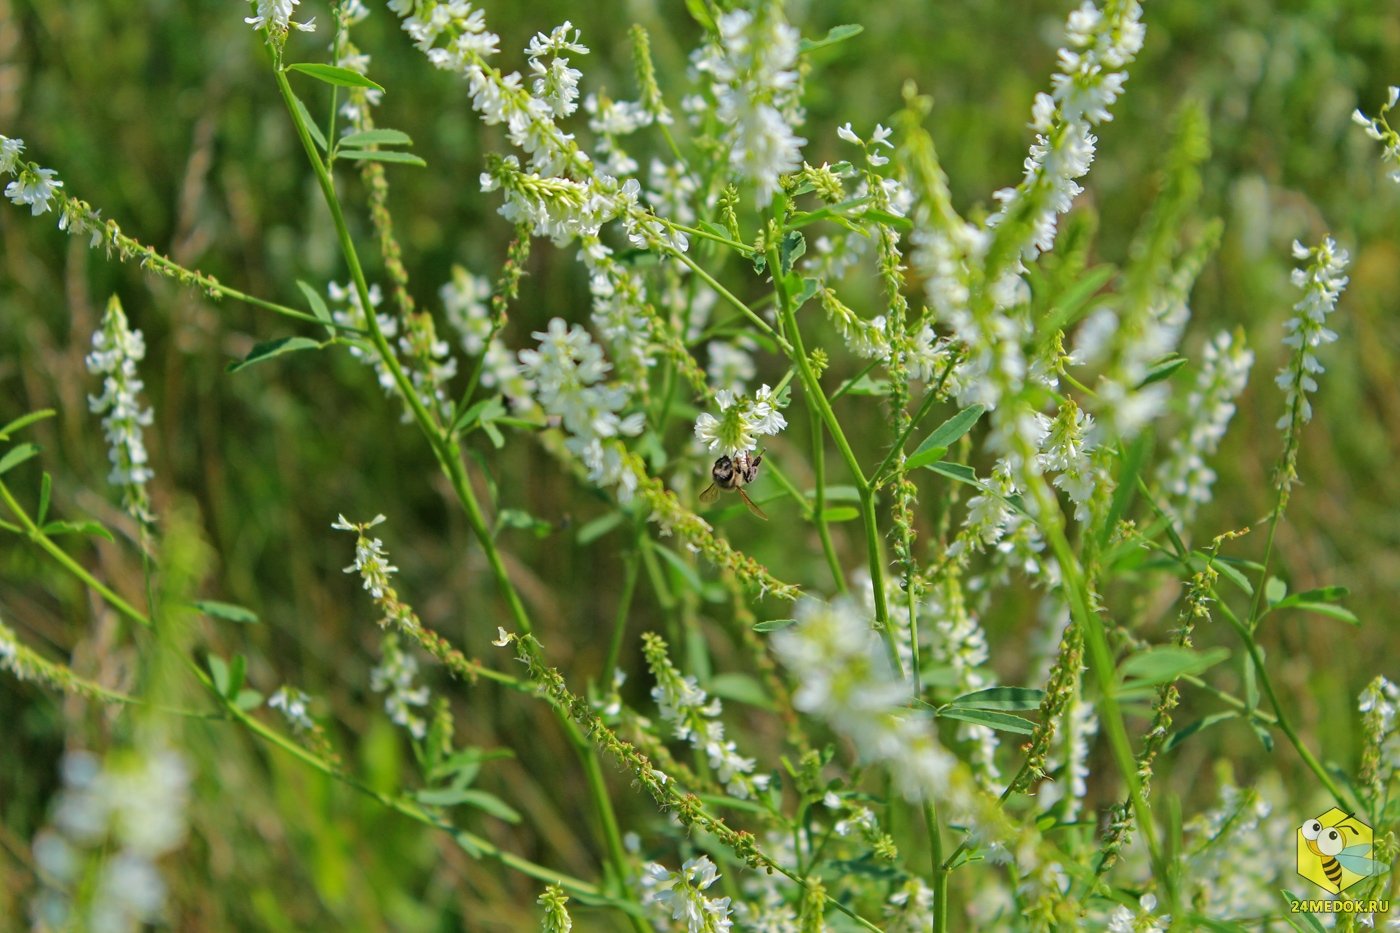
1101	662
1284	723
624	608
939	872
728	296
819	506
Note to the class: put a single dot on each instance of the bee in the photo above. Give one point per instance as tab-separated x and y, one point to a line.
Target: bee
1329	844
735	473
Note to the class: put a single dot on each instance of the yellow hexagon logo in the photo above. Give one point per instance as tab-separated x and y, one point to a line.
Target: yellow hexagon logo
1334	851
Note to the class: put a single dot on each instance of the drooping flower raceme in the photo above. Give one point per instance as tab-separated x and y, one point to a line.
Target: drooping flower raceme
395	677
116	349
694	717
844	677
112	822
754	78
742	419
1378	128
1322	280
680	895
1065	450
568	369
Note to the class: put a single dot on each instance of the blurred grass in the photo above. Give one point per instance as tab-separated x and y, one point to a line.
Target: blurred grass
166	118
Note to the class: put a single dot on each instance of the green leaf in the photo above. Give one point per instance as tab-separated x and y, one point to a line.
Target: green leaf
218	669
270	348
1275	590
888	219
1305	923
226	611
381	155
487	409
837	493
1227	569
947	433
1166	664
773	625
334	75
1074	301
16	456
248	700
311	127
924	456
45	494
598	527
1001	698
54	529
701	14
469	797
24	421
1205	722
741	688
841	513
1326	609
316	303
958	471
687	572
237	671
790	249
1002	722
1324	594
378	137
1265	737
1163	369
834	35
863	385
517	518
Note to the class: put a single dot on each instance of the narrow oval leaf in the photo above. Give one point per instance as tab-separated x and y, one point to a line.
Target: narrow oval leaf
271	348
315	302
947	433
316	135
841	513
334	74
380	155
226	611
1163	369
598	527
1325	594
834	35
958	471
1326	609
773	625
24	421
17	456
1163	665
741	688
1002	722
1001	698
1205	722
922	457
378	137
54	529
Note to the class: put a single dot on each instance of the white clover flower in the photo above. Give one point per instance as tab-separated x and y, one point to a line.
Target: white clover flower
116	349
680	895
371	560
909	908
10	150
694	717
1143	920
293	704
1225	366
1066	449
844	677
112	821
394	677
353	315
34	187
556	84
1322	281
742	419
754	77
276	16
568	368
1378	128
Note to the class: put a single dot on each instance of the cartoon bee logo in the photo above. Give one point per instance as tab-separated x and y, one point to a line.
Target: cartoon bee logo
1334	851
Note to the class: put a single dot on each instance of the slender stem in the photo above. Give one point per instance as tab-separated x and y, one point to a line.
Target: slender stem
939	871
696	231
819	506
448	453
1284	723
1101	662
35	534
624	607
728	296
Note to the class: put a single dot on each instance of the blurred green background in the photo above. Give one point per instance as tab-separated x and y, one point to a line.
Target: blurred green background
165	116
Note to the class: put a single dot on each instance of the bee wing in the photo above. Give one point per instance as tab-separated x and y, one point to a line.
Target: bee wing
1352	860
750	503
710	494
